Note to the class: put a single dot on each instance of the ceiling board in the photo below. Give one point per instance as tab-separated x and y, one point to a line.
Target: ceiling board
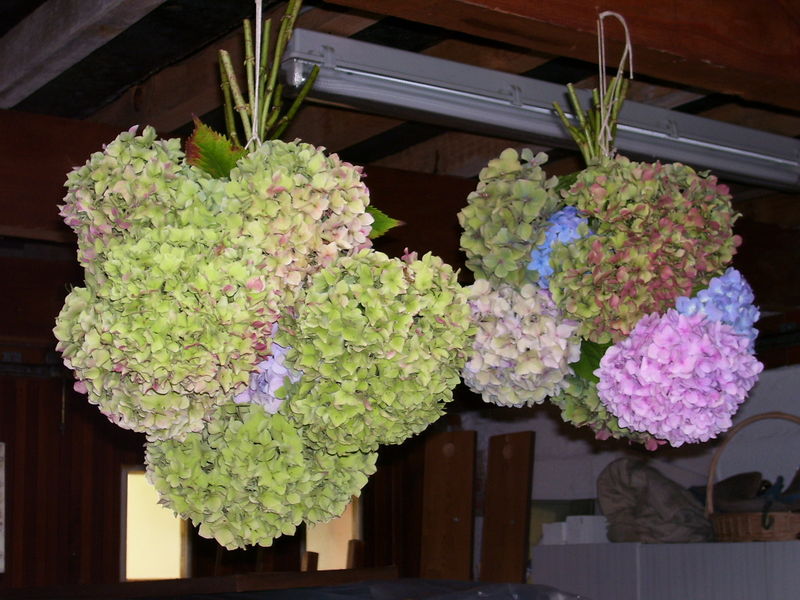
55	36
167	35
336	128
488	56
780	122
454	153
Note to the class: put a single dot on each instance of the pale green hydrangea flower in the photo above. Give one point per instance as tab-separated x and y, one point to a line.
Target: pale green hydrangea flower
249	477
186	274
381	343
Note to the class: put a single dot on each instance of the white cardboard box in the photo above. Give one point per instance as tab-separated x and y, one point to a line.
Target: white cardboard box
717	571
579	529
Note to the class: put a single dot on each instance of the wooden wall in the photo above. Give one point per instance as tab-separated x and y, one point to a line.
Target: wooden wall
63	480
63	458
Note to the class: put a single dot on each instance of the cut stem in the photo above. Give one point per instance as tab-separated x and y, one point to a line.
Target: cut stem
249	62
287	118
230	121
240	105
264	108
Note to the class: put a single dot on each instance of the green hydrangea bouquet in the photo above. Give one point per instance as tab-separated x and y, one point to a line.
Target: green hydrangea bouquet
234	312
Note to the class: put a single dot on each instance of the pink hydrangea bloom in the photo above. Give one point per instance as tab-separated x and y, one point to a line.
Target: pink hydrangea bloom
677	377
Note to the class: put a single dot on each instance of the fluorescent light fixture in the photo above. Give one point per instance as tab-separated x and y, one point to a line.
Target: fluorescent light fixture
416	87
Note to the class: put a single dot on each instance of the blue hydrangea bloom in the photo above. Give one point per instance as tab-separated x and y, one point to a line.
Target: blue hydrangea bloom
728	298
268	377
564	229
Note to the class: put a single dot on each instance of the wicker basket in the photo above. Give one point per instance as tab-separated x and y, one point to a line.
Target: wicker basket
750	526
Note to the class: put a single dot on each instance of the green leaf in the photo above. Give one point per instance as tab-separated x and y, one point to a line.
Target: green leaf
566	181
211	151
382	223
591	353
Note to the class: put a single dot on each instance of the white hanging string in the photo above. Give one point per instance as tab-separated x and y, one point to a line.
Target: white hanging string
604	134
257	84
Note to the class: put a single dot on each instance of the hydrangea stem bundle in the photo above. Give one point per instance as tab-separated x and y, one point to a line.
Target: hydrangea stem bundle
260	114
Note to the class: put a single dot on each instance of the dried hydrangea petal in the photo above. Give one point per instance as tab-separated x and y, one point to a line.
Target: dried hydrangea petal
581	406
522	348
564	227
660	231
505	217
728	298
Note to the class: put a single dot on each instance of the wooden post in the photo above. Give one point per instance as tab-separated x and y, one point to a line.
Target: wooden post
309	561
355	554
506	520
447	518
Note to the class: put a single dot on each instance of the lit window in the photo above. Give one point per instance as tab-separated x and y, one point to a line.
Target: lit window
154	540
330	540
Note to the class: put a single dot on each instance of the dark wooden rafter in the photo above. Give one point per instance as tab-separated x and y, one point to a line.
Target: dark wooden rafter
34	168
56	36
747	48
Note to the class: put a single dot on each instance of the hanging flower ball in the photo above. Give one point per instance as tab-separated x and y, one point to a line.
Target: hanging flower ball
660	231
729	299
522	348
565	226
249	477
186	274
380	343
506	216
677	377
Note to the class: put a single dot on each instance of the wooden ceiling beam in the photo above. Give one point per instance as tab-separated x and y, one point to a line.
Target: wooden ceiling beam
57	35
169	98
782	123
336	128
454	153
34	163
747	48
